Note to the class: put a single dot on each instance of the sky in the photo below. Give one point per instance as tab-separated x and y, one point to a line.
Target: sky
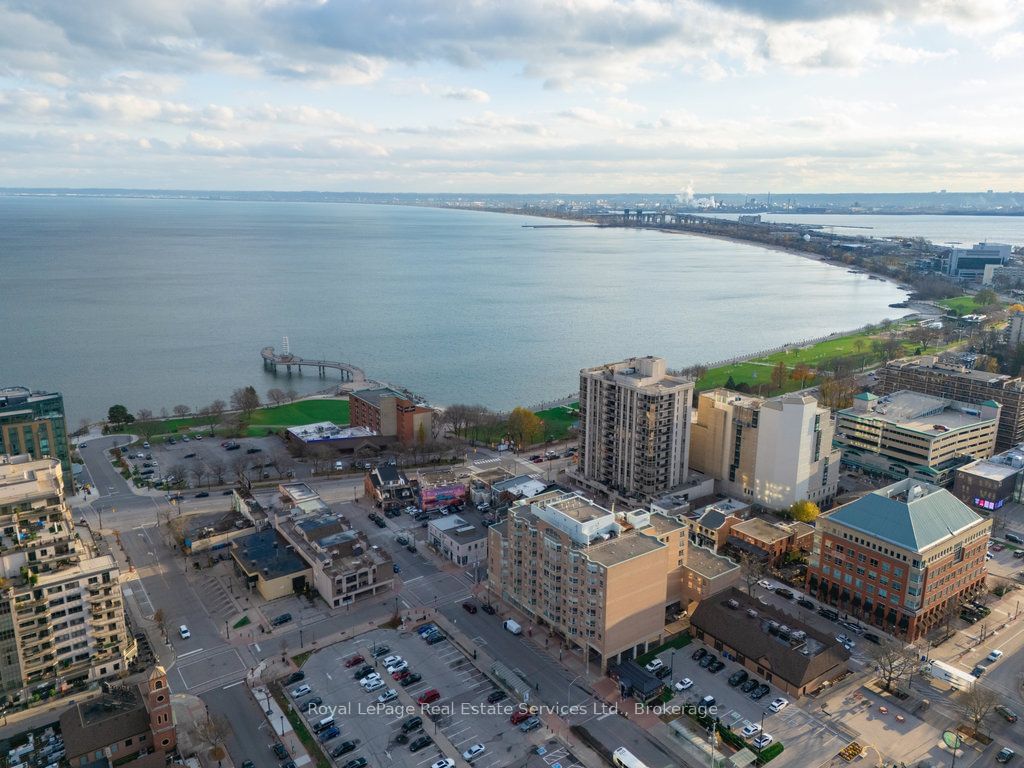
538	96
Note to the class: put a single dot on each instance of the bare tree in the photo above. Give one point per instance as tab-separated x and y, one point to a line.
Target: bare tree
276	395
181	411
144	414
218	469
211	731
240	469
752	570
893	661
163	413
146	424
292	394
245	399
280	460
977	704
197	471
217	408
161	621
321	456
83	426
178	472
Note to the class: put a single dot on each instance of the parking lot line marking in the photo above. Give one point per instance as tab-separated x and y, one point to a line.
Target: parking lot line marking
190	653
606	714
410	581
257	647
232	685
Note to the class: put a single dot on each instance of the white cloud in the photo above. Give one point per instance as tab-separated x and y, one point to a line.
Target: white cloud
466	94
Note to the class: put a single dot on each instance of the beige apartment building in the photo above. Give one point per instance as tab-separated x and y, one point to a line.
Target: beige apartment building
602	581
931	376
907	434
61	608
634	428
770	452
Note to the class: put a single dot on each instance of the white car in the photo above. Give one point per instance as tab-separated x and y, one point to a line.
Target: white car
398	667
389	695
183	631
473	752
302	690
445	763
751	731
763	740
388	661
375	685
765	584
684	684
778	704
655	665
994	656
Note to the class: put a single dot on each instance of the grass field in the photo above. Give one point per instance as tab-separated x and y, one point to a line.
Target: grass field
263	419
558	421
960	305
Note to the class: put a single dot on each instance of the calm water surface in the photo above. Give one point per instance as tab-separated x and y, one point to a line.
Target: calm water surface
158	302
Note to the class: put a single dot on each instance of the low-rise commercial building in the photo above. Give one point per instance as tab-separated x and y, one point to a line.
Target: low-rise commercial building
988	484
266	563
458	541
389	487
392	414
968	264
908	434
770	541
771	452
128	725
62	618
441	488
777	647
330	435
711	524
901	557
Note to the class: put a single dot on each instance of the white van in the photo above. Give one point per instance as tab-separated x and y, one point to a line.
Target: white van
324	724
513	627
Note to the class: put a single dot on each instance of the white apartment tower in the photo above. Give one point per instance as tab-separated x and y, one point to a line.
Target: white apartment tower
634	428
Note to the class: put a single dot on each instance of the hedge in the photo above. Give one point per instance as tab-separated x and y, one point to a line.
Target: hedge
681	640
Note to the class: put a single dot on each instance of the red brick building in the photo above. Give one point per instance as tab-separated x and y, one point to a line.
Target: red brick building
391	414
900	557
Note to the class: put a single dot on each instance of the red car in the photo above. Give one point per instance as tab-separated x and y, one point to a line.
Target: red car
519	715
428	696
354	660
469	607
400	674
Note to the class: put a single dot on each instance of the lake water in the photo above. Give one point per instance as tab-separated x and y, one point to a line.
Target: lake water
966	230
158	302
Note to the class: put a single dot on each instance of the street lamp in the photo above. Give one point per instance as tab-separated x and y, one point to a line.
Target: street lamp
568	690
672	667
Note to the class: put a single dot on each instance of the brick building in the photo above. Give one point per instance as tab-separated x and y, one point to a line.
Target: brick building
392	414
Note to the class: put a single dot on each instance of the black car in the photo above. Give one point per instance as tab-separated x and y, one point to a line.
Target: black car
248	764
344	748
408	680
380	524
294	677
496	696
699	654
871	637
488	609
189	456
716	666
420	743
435	639
706	660
380	650
309	705
803	602
786	593
760	693
362	672
664	672
232	447
750	685
277	621
279	751
254	450
359	762
978	671
738	677
412	724
412	548
202	494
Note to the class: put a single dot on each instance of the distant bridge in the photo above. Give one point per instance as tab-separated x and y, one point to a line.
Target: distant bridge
272	360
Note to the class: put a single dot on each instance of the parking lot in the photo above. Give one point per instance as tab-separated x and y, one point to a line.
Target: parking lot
462	714
807	739
208	456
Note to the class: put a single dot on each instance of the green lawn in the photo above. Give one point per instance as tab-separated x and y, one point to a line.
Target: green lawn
558	421
960	305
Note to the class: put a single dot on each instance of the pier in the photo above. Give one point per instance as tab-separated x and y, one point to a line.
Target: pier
271	361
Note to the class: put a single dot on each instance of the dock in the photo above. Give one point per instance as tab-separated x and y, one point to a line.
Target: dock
272	360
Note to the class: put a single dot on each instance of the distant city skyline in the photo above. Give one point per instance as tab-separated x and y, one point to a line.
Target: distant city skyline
587	96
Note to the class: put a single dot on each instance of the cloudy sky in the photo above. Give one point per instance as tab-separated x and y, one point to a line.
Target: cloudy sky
517	95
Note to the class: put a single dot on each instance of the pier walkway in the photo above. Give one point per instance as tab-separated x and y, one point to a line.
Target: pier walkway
272	360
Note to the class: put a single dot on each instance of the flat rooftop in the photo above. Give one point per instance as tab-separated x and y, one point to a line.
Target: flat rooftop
298	492
268	553
578	508
622	548
662	524
731	397
321	431
990	470
761	530
374	396
950	369
708	564
920	413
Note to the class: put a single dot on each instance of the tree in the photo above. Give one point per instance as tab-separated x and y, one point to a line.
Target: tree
321	455
801	373
977	704
276	395
281	461
181	411
83	426
177	471
986	297
730	383
218	468
804	511
217	408
147	425
525	427
145	414
118	415
892	660
245	399
211	731
161	621
836	393
779	375
240	469
197	470
292	394
752	569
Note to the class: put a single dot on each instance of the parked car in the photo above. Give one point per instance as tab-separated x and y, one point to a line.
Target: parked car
420	743
184	633
871	637
495	696
279	751
344	748
763	740
254	450
362	672
359	762
374	684
994	656
778	704
519	716
684	684
803	602
738	677
760	693
389	695
412	723
469	607
750	731
400	674
699	654
662	673
783	592
309	704
1006	713
331	733
295	677
654	665
444	762
434	640
473	752
488	609
389	660
705	661
1005	755
530	724
302	690
428	696
380	650
202	494
277	621
412	677
716	666
351	662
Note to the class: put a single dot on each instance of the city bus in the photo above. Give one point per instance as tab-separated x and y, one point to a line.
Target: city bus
623	758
